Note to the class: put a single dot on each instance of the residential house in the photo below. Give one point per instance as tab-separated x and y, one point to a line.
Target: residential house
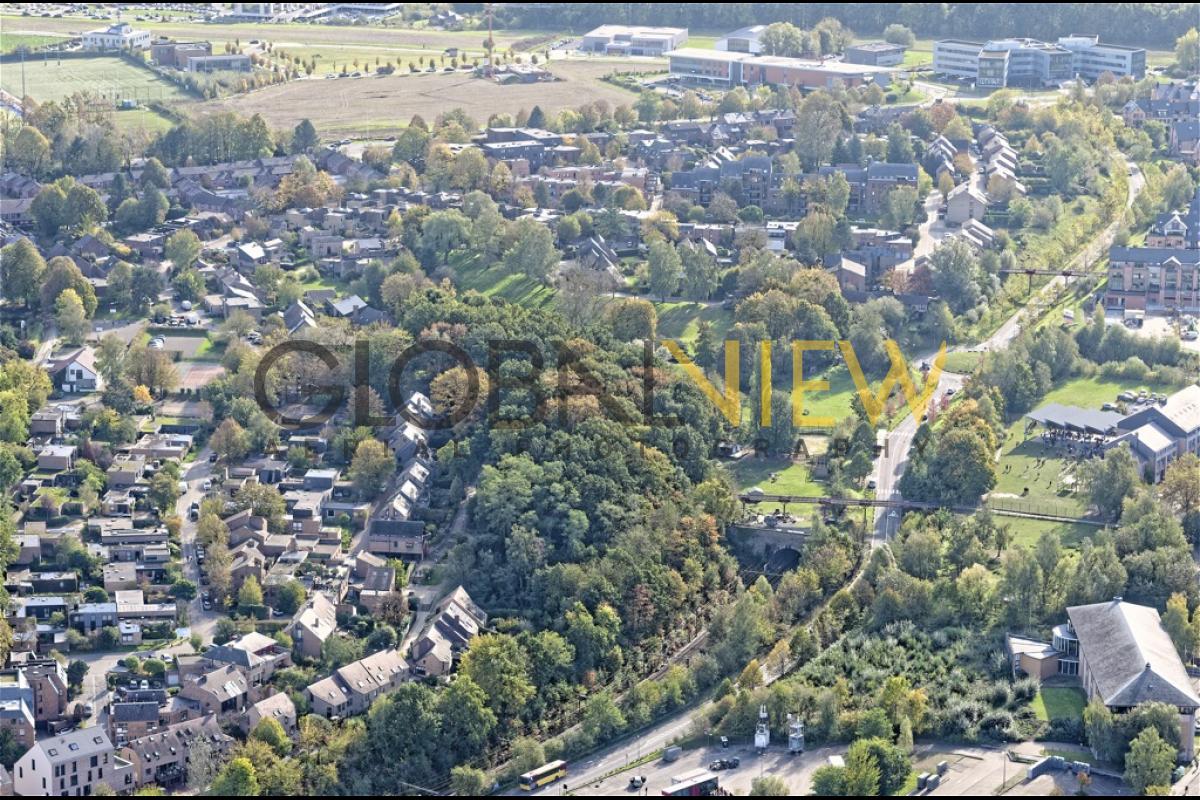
259	657
75	763
453	623
278	707
161	758
76	372
312	625
965	202
351	689
223	690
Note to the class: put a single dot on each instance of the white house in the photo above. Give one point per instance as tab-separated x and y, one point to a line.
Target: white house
119	36
76	371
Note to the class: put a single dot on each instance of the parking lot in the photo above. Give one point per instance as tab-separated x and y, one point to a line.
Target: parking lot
979	771
795	770
1154	325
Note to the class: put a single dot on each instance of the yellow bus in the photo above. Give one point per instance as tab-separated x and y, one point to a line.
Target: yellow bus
547	773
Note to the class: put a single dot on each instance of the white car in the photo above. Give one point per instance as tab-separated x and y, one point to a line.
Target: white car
206	485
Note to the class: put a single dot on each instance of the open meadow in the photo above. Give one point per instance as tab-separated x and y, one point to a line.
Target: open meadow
384	104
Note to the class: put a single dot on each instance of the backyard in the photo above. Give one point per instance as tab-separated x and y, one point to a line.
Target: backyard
1059	702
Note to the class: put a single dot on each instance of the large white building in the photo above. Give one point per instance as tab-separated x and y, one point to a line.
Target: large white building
120	36
630	40
1030	62
743	40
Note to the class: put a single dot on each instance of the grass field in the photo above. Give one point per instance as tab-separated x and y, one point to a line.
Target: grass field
681	320
790	478
1026	532
107	75
10	42
286	35
963	361
493	281
373	105
1059	702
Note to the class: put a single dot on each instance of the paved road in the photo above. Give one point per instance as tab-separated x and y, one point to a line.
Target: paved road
890	465
199	621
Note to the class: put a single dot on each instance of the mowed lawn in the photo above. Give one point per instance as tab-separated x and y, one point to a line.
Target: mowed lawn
1026	532
788	478
11	42
48	79
1059	702
494	281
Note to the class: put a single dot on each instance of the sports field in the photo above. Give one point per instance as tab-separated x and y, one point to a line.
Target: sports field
50	79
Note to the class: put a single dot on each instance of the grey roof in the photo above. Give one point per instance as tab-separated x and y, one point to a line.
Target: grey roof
1153	255
1130	656
76	744
135	712
1074	418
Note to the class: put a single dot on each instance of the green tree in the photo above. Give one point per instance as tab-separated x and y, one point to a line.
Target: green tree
182	249
290	597
769	786
498	665
1149	762
468	781
532	251
304	137
371	467
238	778
271	732
1187	51
1109	480
71	316
250	593
665	269
21	271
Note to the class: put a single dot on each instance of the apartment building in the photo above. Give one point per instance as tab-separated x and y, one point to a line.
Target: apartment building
1153	279
74	764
